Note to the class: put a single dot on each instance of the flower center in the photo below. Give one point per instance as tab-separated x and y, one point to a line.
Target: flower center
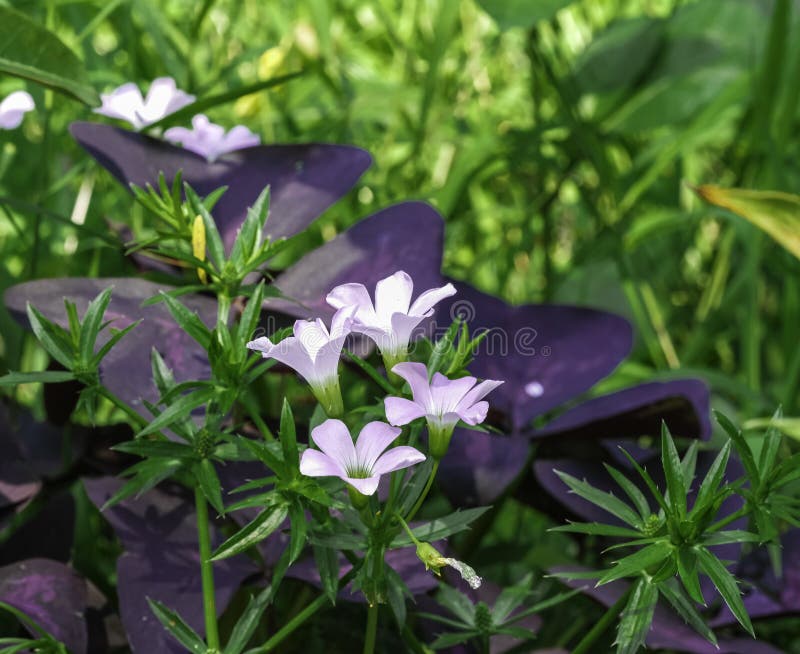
358	471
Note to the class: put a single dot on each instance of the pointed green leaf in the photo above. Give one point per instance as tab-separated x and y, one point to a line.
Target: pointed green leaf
92	320
606	501
712	480
248	622
726	585
637	616
631	490
179	410
687	569
686	609
288	437
188	320
742	448
673	471
632	566
253	533
327	560
207	478
147	448
41	377
53	338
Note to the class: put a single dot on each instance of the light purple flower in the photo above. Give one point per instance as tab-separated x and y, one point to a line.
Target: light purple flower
392	319
361	465
13	108
313	352
441	401
210	140
126	102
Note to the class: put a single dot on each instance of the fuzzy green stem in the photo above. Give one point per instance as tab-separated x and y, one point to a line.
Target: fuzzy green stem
206	570
424	492
410	533
600	627
372	628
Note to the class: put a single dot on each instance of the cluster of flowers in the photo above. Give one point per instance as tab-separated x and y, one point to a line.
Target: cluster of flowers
314	352
163	98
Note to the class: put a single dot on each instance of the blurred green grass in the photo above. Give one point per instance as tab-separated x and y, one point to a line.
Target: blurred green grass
558	139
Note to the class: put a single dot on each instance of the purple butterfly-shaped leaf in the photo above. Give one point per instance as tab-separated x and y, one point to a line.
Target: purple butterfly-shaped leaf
161	562
126	370
52	595
546	354
406	236
304	179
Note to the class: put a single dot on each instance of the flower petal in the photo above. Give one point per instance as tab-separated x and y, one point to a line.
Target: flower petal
354	295
402	333
400	411
13	108
447	394
416	374
429	298
397	458
475	414
292	352
364	486
393	295
314	463
333	438
478	393
374	438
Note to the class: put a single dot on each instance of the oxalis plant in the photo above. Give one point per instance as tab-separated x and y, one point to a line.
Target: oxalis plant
670	537
351	495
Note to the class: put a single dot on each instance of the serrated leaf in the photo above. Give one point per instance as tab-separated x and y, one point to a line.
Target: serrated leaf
712	480
631	566
636	618
670	590
443	347
327	560
631	490
155	448
254	532
457	603
396	595
54	338
742	448
248	622
597	529
92	321
41	377
147	474
726	584
116	336
673	471
606	501
648	480
288	437
687	569
770	447
178	410
207	479
188	320
442	527
298	531
175	625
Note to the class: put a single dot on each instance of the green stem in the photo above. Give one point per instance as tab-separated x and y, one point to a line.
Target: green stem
372	627
287	629
122	406
206	569
424	493
600	627
741	513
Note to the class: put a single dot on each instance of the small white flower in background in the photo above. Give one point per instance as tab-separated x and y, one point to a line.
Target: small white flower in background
393	317
13	108
210	140
126	102
313	352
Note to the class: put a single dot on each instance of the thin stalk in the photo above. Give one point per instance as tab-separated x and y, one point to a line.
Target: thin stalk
206	570
741	513
424	493
586	643
122	406
372	627
292	625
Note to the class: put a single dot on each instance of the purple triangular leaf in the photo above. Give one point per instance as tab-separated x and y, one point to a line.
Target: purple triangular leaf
632	412
479	466
546	354
161	562
304	179
51	594
126	371
406	236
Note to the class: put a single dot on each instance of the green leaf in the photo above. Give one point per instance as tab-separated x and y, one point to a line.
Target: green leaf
288	437
207	478
442	527
254	532
216	249
179	410
686	609
712	480
368	368
175	625
443	347
687	569
53	338
396	595
146	475
632	566
771	445
457	603
631	490
327	560
248	622
147	448
597	529
731	536
30	51
726	585
509	599
42	377
648	480
637	617
248	323
412	489
521	13
116	336
188	320
774	212
92	321
673	471
162	375
249	237
742	448
605	501
298	531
